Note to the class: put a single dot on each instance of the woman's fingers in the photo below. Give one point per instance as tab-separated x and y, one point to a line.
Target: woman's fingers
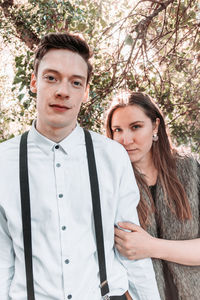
125	251
129	226
120	233
135	244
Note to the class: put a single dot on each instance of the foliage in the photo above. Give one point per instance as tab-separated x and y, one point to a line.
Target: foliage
151	46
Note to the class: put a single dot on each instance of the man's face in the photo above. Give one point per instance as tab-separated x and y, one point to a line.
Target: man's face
61	87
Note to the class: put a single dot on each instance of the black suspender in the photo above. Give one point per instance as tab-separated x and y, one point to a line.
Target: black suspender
26	214
94	185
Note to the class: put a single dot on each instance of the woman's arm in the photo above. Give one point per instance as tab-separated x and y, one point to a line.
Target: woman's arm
139	244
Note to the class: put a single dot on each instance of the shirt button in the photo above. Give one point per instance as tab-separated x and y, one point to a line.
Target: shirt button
63	227
60	195
57	147
69	297
67	261
58	165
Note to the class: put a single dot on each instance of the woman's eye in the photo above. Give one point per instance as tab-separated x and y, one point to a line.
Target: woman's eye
116	130
135	126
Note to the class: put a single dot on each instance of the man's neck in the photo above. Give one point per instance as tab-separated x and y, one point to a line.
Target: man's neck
55	134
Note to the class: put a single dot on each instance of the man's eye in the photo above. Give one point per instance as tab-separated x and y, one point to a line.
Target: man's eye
49	77
77	83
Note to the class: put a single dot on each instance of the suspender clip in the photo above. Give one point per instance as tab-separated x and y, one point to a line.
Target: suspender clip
103	283
104	290
106	297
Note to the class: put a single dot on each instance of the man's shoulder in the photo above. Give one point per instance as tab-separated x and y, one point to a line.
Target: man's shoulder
9	146
104	142
108	149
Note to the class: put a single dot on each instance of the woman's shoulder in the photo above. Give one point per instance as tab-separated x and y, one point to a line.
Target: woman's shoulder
186	157
187	163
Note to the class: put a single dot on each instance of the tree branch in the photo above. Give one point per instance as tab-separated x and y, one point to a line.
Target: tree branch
24	33
142	26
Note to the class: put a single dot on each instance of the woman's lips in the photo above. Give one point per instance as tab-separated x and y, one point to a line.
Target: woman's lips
131	150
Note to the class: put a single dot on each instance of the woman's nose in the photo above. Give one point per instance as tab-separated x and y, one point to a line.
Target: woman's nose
127	139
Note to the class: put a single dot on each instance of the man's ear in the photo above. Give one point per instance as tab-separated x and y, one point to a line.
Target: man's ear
33	83
86	97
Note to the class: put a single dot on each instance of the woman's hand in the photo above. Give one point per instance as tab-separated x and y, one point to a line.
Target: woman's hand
136	244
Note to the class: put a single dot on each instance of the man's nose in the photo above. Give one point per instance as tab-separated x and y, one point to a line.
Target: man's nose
62	90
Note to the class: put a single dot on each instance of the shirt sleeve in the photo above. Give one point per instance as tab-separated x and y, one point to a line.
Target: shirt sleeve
141	276
6	258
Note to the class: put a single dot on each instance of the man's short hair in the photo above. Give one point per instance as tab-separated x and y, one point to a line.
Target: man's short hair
67	41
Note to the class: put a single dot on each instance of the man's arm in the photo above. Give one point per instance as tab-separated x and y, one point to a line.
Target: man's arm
142	282
6	257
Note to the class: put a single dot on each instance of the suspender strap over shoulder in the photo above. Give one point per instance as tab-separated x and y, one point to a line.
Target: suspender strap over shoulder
26	215
96	212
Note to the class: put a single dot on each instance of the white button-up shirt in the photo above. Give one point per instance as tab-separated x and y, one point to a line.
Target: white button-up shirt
65	262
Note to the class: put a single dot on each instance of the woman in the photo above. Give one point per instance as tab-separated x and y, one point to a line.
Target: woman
169	205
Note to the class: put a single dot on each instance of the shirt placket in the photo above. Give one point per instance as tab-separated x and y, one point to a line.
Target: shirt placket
60	165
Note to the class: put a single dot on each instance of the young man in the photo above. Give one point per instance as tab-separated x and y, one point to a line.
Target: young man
64	252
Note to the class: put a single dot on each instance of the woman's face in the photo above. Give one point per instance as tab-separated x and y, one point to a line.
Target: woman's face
134	130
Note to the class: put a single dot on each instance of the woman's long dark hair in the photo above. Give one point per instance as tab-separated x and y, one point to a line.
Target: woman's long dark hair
164	158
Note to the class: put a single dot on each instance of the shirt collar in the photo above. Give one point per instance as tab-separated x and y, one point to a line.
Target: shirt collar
75	138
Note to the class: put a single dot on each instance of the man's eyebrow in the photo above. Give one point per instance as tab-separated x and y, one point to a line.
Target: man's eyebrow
79	76
50	70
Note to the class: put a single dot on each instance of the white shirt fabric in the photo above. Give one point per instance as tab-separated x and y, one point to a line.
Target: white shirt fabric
63	239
